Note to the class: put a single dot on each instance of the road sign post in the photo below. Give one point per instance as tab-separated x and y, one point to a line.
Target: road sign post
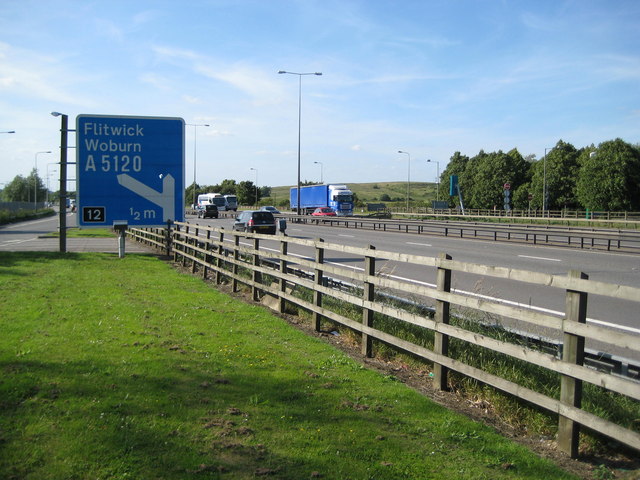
507	196
130	170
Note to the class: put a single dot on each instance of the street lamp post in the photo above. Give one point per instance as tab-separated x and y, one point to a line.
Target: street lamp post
438	178
195	131
320	163
408	177
9	131
64	132
35	181
299	119
256	170
48	176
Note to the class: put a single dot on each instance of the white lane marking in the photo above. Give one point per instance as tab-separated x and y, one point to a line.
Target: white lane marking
420	244
343	235
518	304
541	258
9	243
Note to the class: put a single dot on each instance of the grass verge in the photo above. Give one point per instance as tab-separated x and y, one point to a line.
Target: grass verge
124	368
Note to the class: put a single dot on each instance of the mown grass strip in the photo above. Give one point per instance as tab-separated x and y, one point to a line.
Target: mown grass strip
124	368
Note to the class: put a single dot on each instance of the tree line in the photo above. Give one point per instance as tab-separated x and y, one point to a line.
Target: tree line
25	189
246	191
606	177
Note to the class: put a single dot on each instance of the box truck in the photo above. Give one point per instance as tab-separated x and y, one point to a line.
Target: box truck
338	197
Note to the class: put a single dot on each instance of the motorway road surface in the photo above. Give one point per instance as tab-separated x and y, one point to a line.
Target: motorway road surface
29	236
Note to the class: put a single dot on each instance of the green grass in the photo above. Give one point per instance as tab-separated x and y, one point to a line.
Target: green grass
617	408
125	369
84	233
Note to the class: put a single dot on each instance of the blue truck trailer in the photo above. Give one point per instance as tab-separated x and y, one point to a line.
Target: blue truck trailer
338	197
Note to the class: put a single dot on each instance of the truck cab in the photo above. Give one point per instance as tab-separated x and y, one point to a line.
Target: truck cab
341	200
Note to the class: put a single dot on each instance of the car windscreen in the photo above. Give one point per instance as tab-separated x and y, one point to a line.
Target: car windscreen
263	217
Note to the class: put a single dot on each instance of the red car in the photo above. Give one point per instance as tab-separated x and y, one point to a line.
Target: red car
324	212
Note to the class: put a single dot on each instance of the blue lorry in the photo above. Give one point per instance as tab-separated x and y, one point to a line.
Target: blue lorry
338	197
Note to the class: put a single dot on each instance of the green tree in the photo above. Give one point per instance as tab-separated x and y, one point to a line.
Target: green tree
265	191
228	187
520	197
457	166
561	173
28	189
486	175
17	190
609	177
191	193
246	193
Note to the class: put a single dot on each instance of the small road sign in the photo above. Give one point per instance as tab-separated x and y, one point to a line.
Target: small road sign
507	186
129	169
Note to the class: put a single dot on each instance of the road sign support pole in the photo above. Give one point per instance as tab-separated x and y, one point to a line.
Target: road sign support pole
121	244
64	131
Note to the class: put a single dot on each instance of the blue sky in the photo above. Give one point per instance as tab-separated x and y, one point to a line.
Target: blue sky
429	77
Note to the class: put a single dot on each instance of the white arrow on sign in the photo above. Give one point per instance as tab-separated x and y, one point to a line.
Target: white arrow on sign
165	200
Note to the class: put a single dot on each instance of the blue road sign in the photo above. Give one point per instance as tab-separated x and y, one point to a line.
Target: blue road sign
129	169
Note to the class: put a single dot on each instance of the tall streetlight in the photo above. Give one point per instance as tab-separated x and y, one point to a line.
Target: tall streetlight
195	131
48	175
256	170
35	181
408	177
544	181
9	131
299	119
64	132
320	163
438	178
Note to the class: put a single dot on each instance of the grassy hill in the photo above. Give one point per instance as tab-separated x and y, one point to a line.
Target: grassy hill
421	193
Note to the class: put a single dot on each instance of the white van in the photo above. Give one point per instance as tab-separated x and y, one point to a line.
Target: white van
211	199
231	202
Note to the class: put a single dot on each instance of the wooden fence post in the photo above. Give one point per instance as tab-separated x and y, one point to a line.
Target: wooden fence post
219	262
319	277
283	270
255	274
193	250
368	296
573	353
207	257
169	238
236	259
441	340
185	249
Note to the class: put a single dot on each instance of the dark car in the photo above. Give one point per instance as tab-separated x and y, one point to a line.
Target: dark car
255	221
270	208
208	211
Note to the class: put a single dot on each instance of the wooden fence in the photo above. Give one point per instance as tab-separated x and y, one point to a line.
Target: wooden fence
304	282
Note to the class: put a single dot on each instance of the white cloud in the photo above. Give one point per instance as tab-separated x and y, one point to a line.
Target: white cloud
32	75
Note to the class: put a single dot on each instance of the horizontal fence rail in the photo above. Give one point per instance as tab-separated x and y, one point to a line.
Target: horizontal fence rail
586	216
436	335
